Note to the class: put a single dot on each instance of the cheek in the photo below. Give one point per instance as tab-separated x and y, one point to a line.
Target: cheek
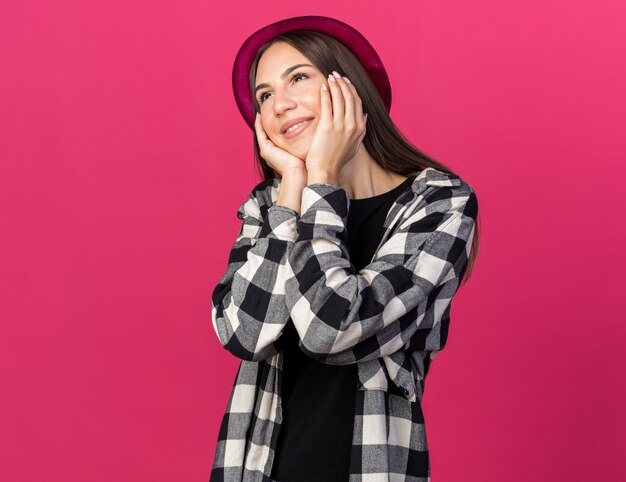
267	126
314	100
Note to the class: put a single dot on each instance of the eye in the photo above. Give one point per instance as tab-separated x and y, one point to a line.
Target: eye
296	75
293	77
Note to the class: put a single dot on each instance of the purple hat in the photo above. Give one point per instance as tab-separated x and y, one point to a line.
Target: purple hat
343	32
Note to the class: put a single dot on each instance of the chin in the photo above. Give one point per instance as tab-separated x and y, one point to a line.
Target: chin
300	153
300	145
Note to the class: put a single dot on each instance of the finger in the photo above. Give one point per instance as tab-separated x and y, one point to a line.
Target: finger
326	117
362	136
263	140
358	104
349	120
260	132
337	98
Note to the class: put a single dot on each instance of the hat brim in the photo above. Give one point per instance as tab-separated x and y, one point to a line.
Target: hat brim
343	32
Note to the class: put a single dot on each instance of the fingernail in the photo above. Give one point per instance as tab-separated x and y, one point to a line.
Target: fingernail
347	80
324	88
331	78
336	74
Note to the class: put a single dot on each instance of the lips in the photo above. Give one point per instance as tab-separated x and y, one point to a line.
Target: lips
293	122
301	126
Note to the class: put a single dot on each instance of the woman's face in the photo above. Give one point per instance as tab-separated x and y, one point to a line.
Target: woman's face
295	96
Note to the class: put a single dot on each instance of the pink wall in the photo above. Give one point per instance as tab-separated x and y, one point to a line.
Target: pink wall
124	159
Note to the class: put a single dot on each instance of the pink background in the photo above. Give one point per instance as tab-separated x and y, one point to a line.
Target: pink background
124	159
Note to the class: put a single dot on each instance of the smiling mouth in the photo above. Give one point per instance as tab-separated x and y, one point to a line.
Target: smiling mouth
296	129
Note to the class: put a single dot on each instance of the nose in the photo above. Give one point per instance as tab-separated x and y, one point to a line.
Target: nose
283	102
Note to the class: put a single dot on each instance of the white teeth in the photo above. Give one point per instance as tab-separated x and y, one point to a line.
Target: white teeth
294	127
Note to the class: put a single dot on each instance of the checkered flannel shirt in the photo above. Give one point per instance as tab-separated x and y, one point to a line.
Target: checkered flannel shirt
391	318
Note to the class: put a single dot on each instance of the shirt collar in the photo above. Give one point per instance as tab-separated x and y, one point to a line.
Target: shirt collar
429	175
433	177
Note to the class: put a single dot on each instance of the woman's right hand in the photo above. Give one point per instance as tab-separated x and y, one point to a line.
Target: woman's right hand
277	158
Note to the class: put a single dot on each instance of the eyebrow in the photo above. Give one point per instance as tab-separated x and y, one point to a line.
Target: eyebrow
283	75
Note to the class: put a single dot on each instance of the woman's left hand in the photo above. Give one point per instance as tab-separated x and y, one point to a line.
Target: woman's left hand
339	133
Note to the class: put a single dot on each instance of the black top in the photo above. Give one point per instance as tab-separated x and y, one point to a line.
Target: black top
318	399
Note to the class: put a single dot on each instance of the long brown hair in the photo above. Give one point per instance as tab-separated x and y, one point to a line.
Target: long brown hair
383	140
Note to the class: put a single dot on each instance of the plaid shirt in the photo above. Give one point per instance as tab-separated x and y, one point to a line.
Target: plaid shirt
391	318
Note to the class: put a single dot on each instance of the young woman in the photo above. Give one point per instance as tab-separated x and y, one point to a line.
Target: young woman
339	285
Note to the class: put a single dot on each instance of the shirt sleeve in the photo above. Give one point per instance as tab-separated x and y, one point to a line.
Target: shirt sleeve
248	304
344	317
